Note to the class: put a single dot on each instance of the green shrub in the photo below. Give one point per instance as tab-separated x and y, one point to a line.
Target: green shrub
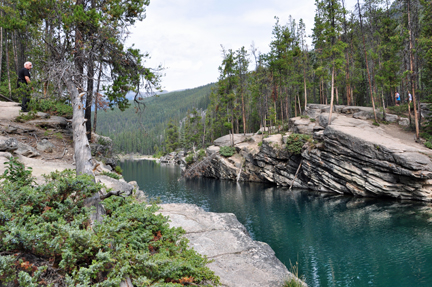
189	159
376	124
111	174
312	120
118	169
295	143
52	107
50	225
304	116
260	143
15	172
201	154
227	151
401	110
428	144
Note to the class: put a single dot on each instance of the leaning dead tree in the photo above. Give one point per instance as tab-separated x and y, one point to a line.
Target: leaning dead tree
198	168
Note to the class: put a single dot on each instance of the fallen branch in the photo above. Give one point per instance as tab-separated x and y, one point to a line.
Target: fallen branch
60	157
298	169
111	193
6	98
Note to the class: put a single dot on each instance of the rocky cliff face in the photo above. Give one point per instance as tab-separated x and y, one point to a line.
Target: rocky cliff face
350	156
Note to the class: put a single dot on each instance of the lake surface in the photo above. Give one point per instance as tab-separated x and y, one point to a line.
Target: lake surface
336	240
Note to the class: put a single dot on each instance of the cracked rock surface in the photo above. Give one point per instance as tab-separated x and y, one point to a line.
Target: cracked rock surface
238	259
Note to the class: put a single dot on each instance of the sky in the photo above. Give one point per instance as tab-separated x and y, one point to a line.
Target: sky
185	36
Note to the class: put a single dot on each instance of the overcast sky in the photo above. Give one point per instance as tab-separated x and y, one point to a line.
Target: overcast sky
185	36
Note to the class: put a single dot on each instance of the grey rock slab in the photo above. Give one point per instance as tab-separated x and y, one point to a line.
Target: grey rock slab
226	140
238	260
45	146
53	122
9	110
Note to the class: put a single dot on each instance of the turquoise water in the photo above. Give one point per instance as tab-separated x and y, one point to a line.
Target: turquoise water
336	240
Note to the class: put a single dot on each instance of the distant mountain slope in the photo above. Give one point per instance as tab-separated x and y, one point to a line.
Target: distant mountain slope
132	133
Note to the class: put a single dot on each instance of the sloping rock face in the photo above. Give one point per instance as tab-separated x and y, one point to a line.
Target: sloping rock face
259	159
351	157
361	160
238	259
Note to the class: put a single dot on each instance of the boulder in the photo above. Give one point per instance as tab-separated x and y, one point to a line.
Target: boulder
364	115
323	119
391	118
8	144
26	150
404	122
45	146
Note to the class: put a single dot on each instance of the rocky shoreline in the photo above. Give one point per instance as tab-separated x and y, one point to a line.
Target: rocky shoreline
238	260
349	156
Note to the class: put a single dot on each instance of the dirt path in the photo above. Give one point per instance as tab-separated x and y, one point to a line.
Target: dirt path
404	136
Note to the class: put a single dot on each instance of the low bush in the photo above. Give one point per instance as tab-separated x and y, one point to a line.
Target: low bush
189	159
295	143
111	174
16	172
52	107
118	169
401	110
227	151
47	239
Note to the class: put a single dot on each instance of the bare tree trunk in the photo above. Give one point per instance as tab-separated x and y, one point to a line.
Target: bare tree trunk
305	89
7	66
332	96
15	50
83	157
1	43
89	97
337	95
295	106
412	69
299	105
96	98
383	103
244	114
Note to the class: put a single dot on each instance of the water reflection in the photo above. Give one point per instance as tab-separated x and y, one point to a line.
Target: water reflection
338	240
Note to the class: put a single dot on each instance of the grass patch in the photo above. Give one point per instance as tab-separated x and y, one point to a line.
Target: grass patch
25	117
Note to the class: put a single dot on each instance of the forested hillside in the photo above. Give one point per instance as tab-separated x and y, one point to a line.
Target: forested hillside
140	132
361	57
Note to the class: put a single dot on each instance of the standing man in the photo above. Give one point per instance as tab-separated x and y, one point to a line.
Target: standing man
24	78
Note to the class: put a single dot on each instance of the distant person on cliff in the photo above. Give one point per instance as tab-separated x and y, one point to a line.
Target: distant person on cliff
24	78
397	96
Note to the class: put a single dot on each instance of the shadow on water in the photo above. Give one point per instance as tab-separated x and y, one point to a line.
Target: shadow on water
338	240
